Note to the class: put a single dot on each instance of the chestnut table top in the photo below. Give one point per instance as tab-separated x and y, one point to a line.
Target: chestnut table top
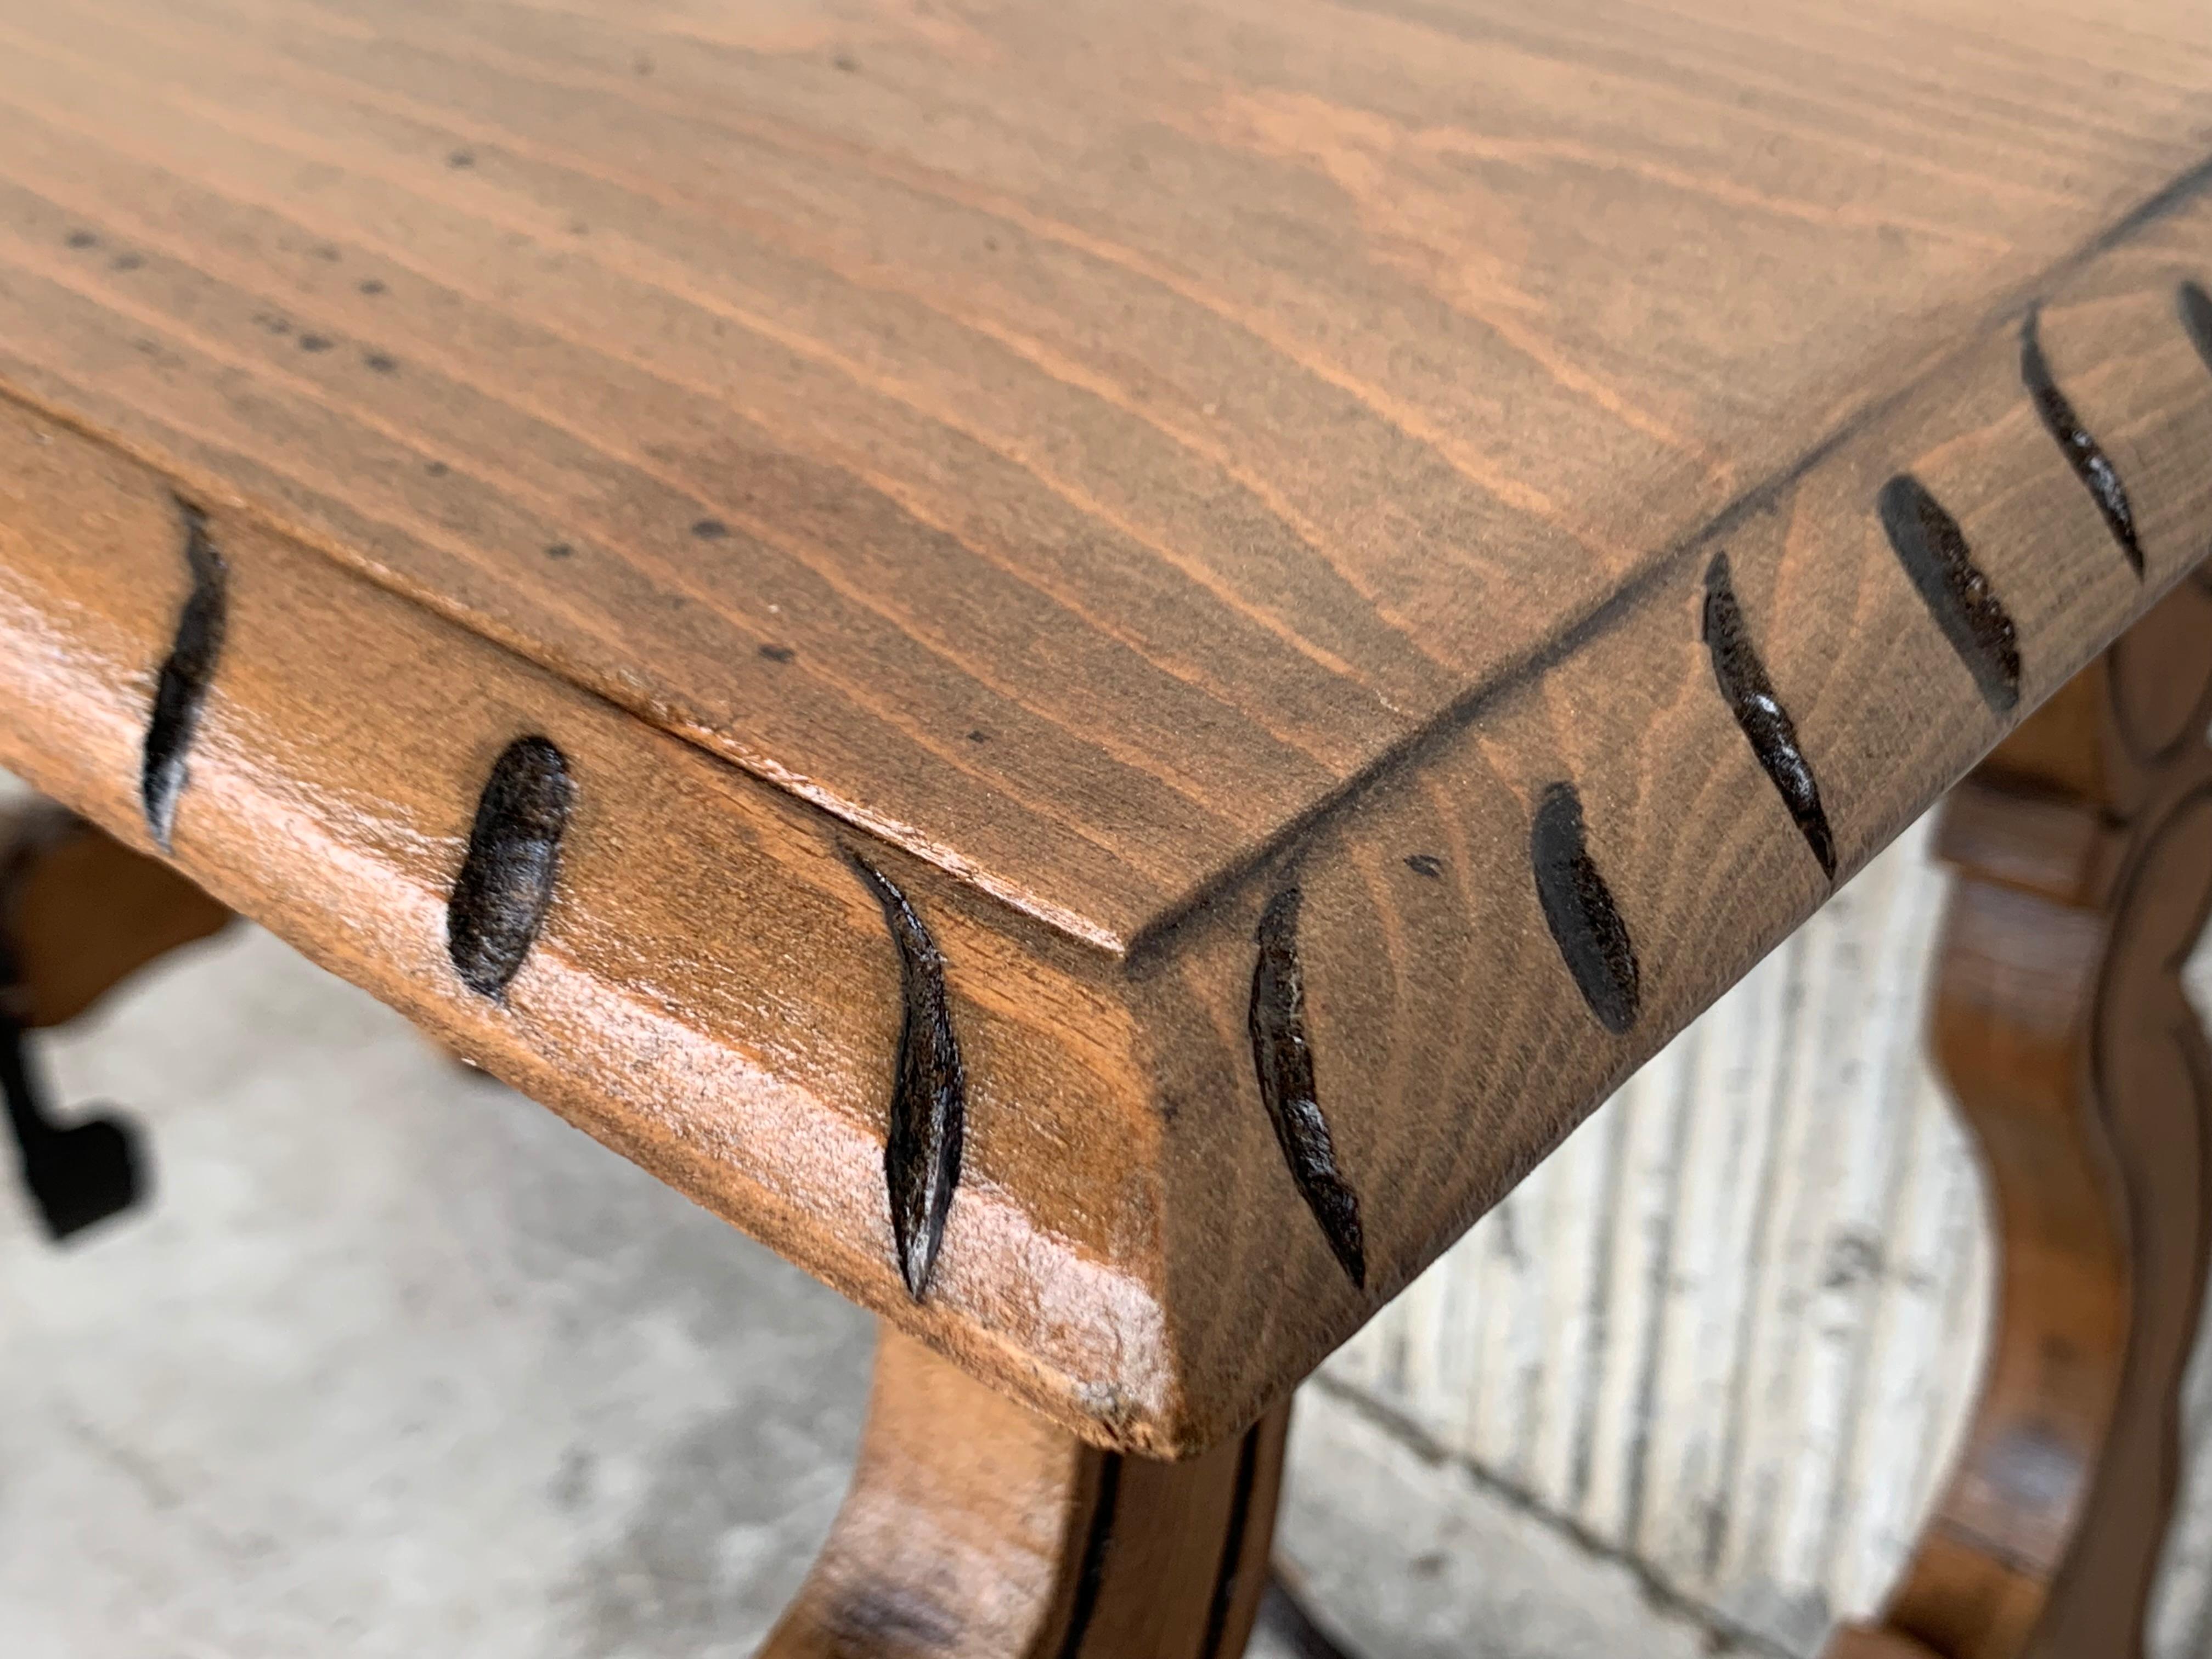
1274	593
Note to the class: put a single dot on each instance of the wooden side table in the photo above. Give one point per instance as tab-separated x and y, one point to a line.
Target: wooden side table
1095	667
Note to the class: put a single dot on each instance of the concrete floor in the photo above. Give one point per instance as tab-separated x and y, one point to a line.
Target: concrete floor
397	1363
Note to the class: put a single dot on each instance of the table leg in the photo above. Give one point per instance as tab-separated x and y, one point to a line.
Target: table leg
976	1529
2084	852
79	911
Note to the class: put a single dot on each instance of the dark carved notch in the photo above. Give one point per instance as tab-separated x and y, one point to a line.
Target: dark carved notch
2195	305
1284	1060
929	1093
1097	1549
1933	549
181	687
1578	907
1228	1572
2097	475
1765	724
506	885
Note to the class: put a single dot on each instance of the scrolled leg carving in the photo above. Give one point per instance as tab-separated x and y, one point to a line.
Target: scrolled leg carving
975	1528
2084	851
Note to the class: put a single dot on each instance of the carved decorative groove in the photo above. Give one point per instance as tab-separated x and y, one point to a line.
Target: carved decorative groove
1579	909
929	1094
2082	451
1091	1572
1933	549
1208	649
1765	724
506	885
1233	1545
1284	1061
2195	305
182	685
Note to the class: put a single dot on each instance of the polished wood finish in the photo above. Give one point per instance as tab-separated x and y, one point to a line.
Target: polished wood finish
975	1528
987	507
2084	851
1074	442
713	991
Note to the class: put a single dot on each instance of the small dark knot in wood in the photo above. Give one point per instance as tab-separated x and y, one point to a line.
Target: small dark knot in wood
2083	453
1765	724
506	885
1579	909
929	1092
1284	1060
181	687
1933	549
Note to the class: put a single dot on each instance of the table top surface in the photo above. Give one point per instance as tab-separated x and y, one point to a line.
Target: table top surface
1071	441
1113	467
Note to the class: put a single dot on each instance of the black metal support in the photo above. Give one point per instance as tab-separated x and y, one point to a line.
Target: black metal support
76	1174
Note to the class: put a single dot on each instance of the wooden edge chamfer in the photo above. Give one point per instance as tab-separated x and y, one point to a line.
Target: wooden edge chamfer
658	946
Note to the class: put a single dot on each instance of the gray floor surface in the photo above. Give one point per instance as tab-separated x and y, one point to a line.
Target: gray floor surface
396	1362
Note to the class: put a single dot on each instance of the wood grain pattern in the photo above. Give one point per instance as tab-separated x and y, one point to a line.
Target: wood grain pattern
711	990
1103	564
949	454
1442	1014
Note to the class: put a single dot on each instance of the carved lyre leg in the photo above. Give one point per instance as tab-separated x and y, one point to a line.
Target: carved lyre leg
975	1528
79	911
2084	851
